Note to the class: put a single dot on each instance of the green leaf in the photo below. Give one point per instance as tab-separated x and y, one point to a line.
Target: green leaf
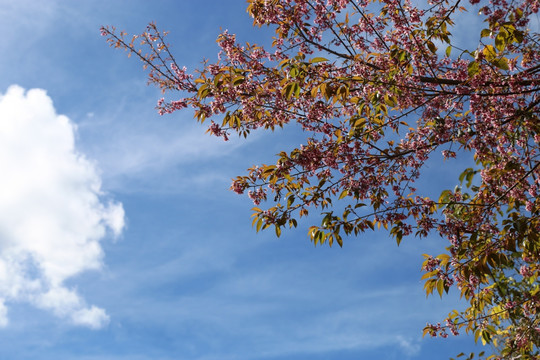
390	100
259	224
444	198
399	237
428	286
284	62
448	51
485	33
338	239
518	36
463	174
292	223
370	224
500	41
238	80
473	68
317	60
501	63
477	334
489	52
486	337
431	46
343	194
440	287
290	201
203	91
296	89
288	90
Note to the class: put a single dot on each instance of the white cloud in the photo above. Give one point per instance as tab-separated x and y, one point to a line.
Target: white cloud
52	215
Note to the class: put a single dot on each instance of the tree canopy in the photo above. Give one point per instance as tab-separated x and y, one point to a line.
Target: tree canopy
379	87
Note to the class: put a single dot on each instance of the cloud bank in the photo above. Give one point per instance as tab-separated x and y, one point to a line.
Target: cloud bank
52	212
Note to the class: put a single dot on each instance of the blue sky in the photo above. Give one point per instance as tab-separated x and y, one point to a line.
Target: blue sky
120	240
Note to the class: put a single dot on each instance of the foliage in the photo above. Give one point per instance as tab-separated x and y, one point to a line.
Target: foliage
380	87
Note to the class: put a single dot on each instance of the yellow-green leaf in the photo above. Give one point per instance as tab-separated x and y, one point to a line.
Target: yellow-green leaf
431	46
473	68
343	194
500	41
317	60
489	52
440	287
501	63
485	33
238	80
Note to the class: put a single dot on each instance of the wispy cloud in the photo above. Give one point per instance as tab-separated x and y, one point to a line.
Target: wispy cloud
285	306
52	212
140	151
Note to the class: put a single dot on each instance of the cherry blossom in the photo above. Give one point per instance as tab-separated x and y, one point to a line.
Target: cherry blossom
380	88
